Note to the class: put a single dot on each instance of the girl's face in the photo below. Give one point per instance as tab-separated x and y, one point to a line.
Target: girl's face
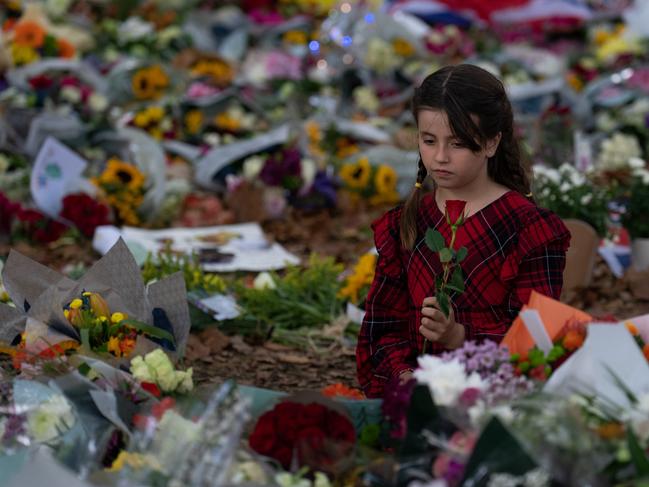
451	164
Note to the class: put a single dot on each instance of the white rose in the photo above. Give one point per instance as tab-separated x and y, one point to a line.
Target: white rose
308	169
140	370
186	384
50	419
446	380
71	94
586	199
252	167
56	8
97	102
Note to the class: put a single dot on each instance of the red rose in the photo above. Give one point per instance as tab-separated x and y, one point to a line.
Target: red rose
455	211
264	436
311	415
85	213
339	428
151	388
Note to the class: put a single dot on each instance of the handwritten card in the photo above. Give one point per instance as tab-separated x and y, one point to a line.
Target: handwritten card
57	172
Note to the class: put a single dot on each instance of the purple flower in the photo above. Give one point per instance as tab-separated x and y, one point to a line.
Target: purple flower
395	405
283	169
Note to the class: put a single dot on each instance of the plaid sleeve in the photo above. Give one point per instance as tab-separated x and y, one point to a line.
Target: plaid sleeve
538	261
384	345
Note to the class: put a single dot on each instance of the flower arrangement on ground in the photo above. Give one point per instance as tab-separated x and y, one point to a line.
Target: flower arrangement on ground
123	186
376	184
29	41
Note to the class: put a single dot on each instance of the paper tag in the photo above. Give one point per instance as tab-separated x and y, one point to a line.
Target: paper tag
57	172
532	320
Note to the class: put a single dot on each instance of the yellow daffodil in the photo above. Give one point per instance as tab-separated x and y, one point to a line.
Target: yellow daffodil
76	303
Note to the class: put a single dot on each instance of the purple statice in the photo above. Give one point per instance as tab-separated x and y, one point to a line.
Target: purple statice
454	472
14	429
492	363
283	168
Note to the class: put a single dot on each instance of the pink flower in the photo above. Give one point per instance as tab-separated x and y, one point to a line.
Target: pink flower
199	90
282	65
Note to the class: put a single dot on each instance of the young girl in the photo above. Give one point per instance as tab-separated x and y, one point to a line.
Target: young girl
467	146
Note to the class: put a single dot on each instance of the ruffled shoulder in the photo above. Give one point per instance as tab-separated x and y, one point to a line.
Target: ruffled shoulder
388	242
538	228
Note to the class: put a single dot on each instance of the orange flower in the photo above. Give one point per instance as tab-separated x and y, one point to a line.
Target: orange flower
8	25
632	328
66	49
573	340
29	33
126	346
341	390
645	352
59	349
610	431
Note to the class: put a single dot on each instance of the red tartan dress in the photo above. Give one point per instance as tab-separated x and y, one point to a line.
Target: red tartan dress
513	247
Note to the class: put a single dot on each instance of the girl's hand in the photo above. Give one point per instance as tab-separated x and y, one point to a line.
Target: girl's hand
438	328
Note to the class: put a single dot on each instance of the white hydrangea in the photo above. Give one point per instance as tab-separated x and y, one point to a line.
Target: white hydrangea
446	380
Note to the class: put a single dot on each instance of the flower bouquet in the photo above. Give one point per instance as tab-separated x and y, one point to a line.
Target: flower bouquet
108	311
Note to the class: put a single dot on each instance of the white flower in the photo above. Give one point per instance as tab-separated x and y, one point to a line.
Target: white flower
308	169
50	419
380	55
565	186
446	380
247	472
97	102
636	163
586	199
168	35
642	174
141	370
71	94
286	479
366	99
133	29
252	167
264	281
616	151
174	434
56	8
4	166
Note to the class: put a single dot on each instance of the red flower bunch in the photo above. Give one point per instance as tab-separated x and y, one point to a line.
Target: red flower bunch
85	213
40	228
310	433
8	211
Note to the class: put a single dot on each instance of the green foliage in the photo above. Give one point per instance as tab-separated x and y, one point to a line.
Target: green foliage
435	240
635	219
302	298
167	263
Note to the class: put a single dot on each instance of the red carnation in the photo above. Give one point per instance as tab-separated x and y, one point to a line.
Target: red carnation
455	211
40	228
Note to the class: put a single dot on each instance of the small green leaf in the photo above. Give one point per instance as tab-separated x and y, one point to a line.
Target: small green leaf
638	456
461	254
445	255
434	240
457	281
149	330
444	303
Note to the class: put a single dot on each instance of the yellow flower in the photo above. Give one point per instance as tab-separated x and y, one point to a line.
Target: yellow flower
574	82
402	47
134	460
123	174
385	180
117	317
76	303
23	54
294	37
357	176
98	305
313	131
384	198
219	71
361	277
156	113
141	118
113	347
225	121
193	121
149	83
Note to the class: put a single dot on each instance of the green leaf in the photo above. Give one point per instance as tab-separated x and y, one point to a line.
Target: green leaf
497	450
444	303
461	254
445	255
435	240
150	330
457	281
638	456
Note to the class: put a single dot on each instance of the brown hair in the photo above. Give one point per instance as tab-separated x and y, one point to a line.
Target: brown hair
462	91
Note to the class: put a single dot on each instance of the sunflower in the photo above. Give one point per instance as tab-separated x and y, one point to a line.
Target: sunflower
29	33
193	121
385	180
122	174
149	83
357	176
219	71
